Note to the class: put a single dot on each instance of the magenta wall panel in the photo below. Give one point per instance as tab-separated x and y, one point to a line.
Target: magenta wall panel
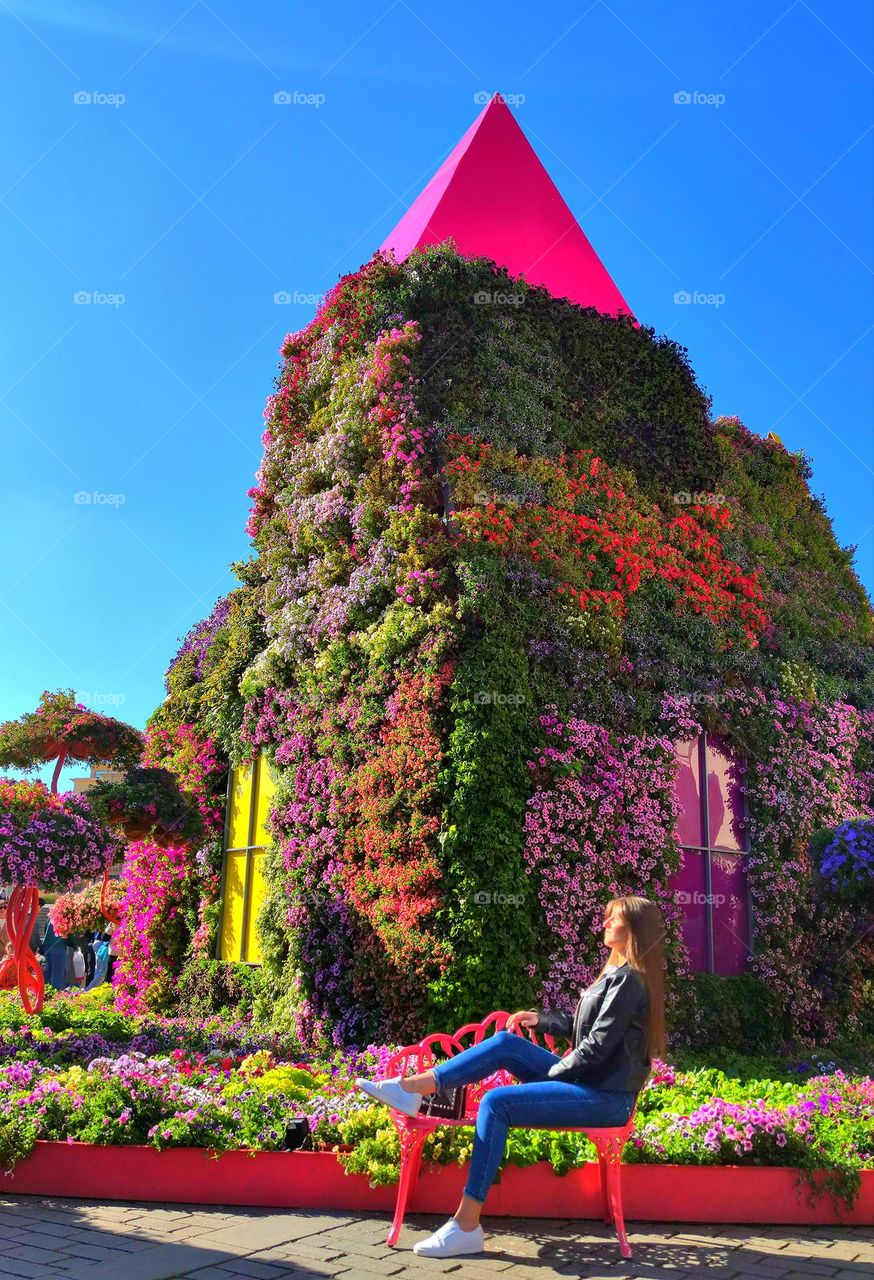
688	791
724	798
725	909
688	885
731	921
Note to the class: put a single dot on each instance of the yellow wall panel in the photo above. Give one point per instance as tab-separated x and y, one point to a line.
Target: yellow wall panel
244	887
266	791
232	906
240	801
258	892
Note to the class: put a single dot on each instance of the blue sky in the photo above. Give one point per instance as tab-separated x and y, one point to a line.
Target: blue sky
181	198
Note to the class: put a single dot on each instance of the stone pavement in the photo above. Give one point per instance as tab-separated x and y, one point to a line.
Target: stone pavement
44	1238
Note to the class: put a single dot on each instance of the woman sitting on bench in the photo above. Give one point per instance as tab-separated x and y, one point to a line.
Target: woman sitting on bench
618	1027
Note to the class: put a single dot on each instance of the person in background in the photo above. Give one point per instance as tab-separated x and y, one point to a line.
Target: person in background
78	968
40	925
8	969
101	961
113	953
88	952
54	949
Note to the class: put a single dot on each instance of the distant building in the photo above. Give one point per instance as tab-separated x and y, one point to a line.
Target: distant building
99	773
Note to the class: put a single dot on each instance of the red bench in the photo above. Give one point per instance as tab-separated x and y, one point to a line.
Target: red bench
413	1130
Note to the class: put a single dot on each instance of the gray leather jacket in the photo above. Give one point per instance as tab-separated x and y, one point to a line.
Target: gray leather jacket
608	1031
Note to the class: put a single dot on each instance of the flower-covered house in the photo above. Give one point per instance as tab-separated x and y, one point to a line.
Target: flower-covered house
522	628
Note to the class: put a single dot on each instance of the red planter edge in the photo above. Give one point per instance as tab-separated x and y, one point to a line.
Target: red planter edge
317	1180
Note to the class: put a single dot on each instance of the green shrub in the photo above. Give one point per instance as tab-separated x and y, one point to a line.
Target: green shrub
735	1013
208	987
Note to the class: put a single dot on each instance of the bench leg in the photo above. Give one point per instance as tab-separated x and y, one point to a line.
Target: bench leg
611	1155
412	1142
605	1196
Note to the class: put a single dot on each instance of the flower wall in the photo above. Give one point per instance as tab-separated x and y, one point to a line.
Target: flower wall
604	812
502	559
803	773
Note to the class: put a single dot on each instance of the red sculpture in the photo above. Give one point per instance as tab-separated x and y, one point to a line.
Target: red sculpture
20	920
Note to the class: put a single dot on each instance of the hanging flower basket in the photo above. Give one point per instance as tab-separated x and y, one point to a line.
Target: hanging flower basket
63	727
90	911
50	840
73	746
137	829
148	805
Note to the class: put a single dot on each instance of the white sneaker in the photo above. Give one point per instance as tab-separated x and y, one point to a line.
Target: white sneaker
391	1093
449	1241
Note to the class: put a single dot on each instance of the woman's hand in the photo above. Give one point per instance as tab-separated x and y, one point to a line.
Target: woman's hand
524	1018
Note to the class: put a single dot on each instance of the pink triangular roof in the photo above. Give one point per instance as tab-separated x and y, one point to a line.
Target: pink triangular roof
494	198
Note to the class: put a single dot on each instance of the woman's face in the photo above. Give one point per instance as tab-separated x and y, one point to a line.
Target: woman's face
615	929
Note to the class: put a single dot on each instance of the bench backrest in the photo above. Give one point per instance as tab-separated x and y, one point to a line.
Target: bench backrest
419	1057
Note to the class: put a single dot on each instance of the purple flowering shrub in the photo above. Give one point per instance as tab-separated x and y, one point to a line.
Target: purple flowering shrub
825	1123
50	840
845	857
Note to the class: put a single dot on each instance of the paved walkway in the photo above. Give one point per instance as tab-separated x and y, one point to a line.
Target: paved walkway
45	1238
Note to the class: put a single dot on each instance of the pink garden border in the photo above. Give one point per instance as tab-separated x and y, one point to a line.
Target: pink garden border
317	1180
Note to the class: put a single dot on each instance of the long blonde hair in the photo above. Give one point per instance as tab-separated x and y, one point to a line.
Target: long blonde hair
644	952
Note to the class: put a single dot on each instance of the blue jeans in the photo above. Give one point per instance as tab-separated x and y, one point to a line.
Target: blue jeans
536	1103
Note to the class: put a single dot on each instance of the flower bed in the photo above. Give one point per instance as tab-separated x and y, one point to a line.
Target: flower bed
83	1073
